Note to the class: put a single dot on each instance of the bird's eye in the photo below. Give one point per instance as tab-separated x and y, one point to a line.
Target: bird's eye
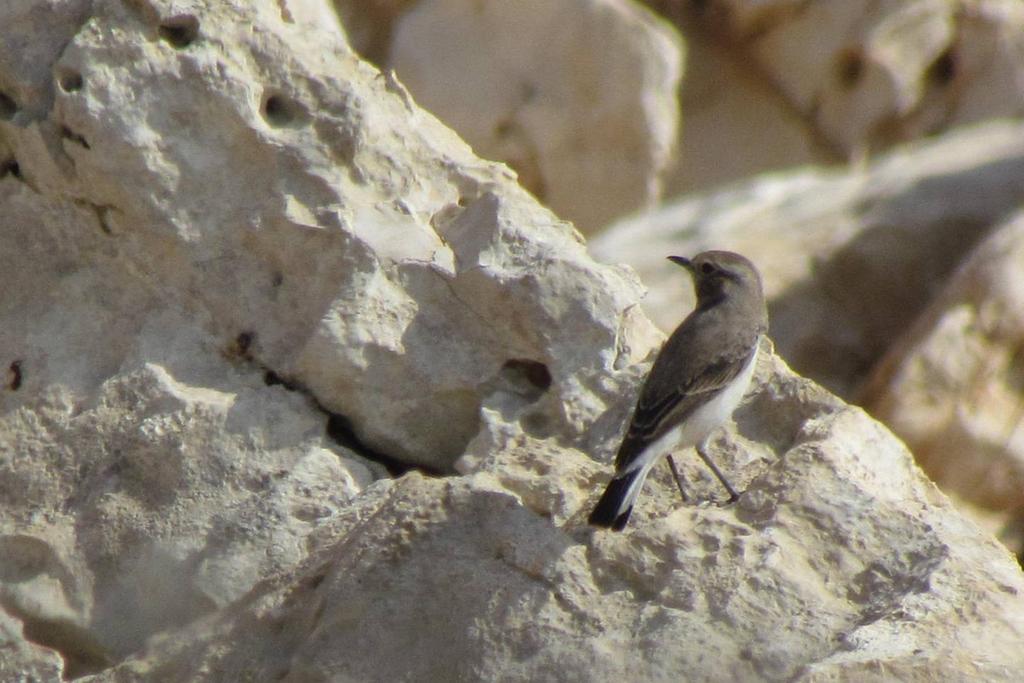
707	268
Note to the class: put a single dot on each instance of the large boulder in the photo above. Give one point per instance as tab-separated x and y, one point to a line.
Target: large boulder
578	96
840	561
951	386
338	235
849	257
768	85
225	240
241	269
777	83
869	74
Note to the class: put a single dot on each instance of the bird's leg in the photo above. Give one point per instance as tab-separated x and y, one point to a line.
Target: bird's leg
733	496
679	479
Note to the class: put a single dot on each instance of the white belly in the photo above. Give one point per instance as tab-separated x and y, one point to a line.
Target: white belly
701	422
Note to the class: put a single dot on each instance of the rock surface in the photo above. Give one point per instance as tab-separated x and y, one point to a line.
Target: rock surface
848	258
736	123
240	268
369	25
767	85
824	81
200	215
578	96
22	660
870	74
951	388
840	560
396	277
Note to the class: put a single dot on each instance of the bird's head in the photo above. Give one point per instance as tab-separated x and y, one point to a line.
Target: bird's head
719	274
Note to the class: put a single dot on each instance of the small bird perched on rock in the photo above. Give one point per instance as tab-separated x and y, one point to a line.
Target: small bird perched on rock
698	379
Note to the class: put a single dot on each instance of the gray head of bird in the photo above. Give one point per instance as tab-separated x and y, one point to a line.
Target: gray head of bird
722	274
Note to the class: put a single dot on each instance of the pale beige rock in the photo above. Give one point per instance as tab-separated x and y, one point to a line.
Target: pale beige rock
393	276
840	560
769	84
163	496
952	387
868	74
200	201
23	661
777	83
33	32
316	14
578	96
848	258
218	225
368	24
736	123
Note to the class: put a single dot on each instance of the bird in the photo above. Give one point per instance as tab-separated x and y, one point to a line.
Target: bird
698	378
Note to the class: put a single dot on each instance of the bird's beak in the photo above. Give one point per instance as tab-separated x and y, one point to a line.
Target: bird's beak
682	261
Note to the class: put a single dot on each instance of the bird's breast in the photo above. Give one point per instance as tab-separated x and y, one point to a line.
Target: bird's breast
708	417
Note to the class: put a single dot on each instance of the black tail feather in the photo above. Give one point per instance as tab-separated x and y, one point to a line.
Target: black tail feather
608	512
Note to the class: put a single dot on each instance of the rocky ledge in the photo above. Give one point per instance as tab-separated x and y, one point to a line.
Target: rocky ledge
299	388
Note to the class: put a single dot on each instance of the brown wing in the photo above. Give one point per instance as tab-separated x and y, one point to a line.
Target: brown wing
656	413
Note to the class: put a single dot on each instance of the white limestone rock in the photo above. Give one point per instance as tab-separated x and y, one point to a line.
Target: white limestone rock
768	85
34	32
774	84
297	197
164	496
849	258
841	559
578	96
218	224
200	201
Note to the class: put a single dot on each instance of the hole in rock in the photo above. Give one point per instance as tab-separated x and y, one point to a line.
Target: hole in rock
70	81
537	424
850	67
8	107
314	581
339	428
180	31
272	379
241	347
10	166
82	653
528	376
72	136
943	70
14	375
102	216
25	558
503	129
281	111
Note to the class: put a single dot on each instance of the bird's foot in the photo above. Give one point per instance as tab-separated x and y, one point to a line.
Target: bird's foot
732	499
